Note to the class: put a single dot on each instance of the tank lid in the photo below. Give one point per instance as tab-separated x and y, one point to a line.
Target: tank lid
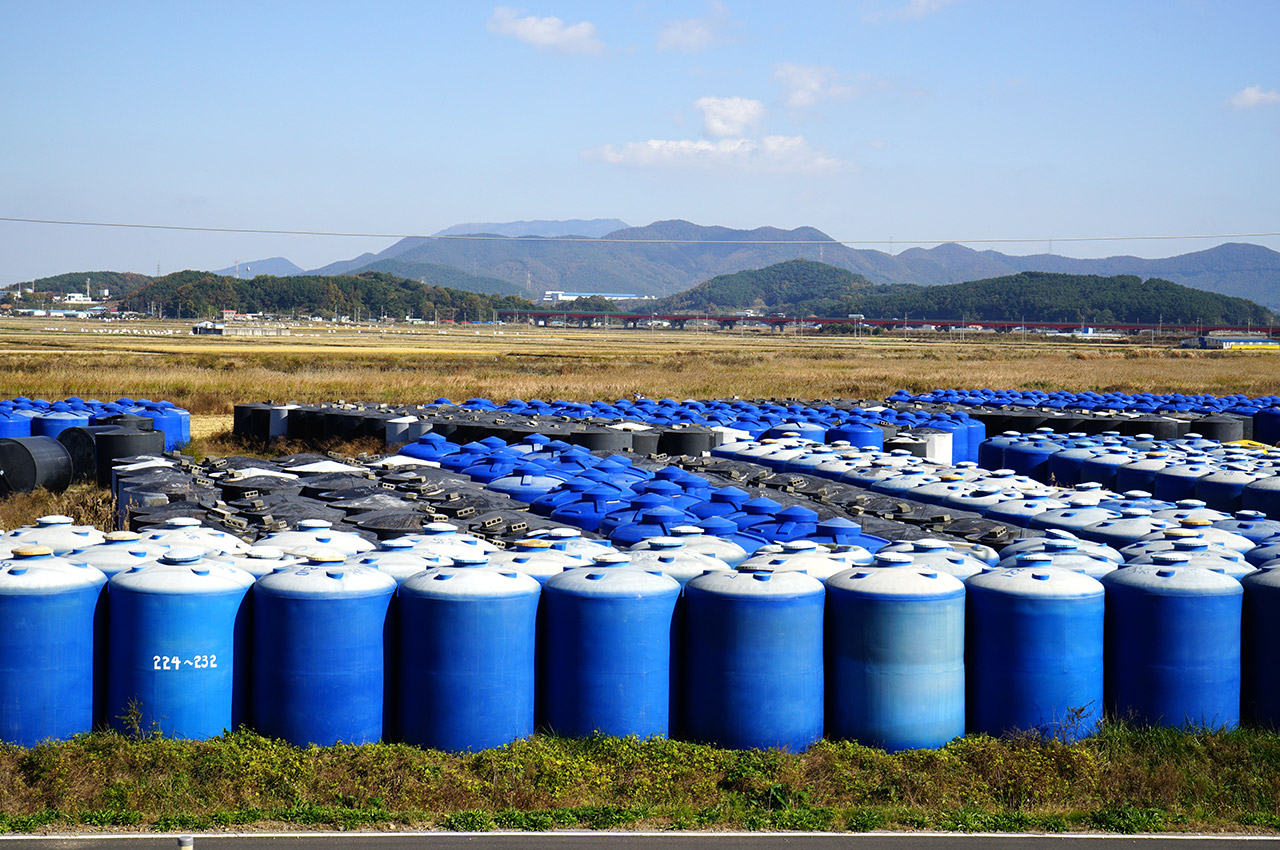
324	581
533	544
1038	581
313	524
265	553
907	584
445	582
929	544
795	547
122	536
623	581
440	528
182	555
1173	580
54	519
756	584
32	551
325	556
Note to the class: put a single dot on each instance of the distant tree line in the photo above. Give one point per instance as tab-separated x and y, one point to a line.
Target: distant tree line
806	288
197	294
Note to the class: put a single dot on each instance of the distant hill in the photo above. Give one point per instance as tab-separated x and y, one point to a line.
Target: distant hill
685	254
275	266
198	294
595	227
118	283
796	287
804	288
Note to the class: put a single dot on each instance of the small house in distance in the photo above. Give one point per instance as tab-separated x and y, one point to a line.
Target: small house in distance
1241	342
220	329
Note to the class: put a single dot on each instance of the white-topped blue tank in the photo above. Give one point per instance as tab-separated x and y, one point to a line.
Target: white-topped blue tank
397	558
59	533
895	658
321	657
48	646
1034	652
179	646
608	651
467	640
311	535
536	557
754	673
669	556
696	540
120	551
1173	646
188	532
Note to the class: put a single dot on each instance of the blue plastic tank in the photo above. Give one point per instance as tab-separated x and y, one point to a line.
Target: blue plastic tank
1034	652
1173	646
608	651
48	646
754	673
315	682
179	646
895	658
1260	677
470	637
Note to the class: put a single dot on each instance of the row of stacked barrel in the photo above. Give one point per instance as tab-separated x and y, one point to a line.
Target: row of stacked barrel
444	641
1223	418
55	444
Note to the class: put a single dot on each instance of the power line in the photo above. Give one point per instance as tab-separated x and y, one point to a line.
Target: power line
481	238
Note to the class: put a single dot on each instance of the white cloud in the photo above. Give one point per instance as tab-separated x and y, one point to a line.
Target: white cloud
920	8
774	154
693	35
729	116
1253	96
546	33
911	10
806	85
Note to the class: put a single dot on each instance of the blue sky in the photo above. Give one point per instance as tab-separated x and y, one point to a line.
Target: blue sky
868	119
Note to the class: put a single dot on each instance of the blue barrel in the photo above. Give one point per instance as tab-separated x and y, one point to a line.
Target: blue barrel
470	637
1173	646
179	646
895	658
320	654
608	652
1034	652
1031	457
48	645
1260	677
1224	490
754	673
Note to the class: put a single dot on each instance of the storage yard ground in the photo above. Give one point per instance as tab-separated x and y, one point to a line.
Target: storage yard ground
1122	780
39	358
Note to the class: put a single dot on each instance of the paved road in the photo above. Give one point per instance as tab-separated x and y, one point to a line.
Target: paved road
640	841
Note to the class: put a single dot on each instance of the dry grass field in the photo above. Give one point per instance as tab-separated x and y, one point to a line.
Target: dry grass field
55	358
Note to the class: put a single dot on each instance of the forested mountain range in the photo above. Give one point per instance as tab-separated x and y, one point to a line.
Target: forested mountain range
804	288
690	253
200	295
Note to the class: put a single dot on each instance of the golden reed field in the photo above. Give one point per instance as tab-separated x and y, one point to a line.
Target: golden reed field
55	358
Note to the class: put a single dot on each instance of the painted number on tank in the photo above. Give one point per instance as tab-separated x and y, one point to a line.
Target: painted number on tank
174	662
